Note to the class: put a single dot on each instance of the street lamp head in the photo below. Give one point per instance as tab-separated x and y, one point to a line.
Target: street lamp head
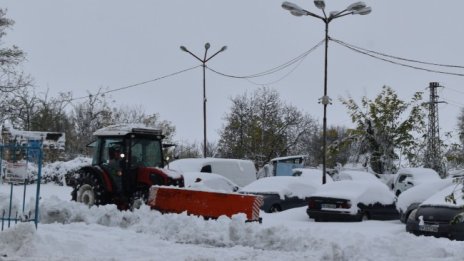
207	45
319	4
298	12
183	48
291	6
364	11
223	48
356	6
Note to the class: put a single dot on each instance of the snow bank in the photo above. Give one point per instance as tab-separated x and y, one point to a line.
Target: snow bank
71	231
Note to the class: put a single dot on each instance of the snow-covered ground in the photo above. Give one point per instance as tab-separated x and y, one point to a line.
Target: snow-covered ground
71	231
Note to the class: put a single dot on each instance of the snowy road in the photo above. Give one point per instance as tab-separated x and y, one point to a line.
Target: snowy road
70	231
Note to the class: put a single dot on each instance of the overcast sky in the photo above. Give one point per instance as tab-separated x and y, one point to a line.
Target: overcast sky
81	46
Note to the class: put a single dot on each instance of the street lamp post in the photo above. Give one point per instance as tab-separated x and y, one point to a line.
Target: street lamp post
204	61
355	8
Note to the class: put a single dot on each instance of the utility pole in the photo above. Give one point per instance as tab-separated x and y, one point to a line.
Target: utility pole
433	157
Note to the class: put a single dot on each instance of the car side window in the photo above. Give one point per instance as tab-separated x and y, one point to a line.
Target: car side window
206	168
402	178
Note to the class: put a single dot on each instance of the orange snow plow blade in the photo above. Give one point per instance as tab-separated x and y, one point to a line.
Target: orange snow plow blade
204	203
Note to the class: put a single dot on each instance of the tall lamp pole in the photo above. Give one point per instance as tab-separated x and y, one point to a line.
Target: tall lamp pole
355	8
204	61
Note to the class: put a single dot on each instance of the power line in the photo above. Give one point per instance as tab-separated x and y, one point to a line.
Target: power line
394	62
281	78
395	57
272	70
454	103
142	83
455	90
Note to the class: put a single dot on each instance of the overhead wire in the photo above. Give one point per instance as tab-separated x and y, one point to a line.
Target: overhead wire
279	79
299	58
368	53
141	83
395	57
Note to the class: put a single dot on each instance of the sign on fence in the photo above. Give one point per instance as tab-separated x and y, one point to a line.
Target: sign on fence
20	171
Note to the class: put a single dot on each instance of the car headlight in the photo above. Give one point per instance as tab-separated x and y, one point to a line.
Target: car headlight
412	215
458	219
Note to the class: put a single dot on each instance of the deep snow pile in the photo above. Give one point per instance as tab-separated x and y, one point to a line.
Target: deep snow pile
71	231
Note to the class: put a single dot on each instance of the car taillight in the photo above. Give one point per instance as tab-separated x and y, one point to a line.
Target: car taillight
312	203
346	204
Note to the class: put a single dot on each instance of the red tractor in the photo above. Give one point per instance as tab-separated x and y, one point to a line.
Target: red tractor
127	161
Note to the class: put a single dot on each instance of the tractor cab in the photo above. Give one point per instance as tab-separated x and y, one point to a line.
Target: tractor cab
133	150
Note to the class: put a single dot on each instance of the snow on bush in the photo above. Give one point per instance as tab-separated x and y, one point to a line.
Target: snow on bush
57	171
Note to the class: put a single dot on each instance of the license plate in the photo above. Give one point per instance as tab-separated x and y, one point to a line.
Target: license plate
429	228
328	206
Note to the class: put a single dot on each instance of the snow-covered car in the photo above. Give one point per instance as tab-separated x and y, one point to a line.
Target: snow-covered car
441	215
307	172
283	192
209	182
456	173
409	177
356	197
241	172
413	197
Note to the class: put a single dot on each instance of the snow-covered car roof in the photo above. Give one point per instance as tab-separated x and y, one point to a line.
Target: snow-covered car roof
240	171
209	182
357	175
420	173
366	192
357	191
456	173
440	198
421	192
313	174
284	186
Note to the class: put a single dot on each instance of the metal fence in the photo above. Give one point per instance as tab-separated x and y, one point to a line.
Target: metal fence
20	171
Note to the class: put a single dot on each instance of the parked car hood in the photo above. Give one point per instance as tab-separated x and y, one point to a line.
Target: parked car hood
365	192
421	192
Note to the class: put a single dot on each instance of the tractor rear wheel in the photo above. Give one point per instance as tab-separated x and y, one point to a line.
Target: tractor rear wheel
90	190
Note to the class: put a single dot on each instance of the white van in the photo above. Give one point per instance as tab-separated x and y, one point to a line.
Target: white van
241	172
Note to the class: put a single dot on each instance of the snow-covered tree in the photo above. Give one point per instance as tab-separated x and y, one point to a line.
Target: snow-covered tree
13	81
260	127
386	126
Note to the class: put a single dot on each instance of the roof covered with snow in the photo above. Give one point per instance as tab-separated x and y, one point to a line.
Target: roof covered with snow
440	198
284	186
420	173
421	192
123	129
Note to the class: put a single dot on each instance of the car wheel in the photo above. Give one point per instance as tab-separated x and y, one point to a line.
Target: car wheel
365	216
275	208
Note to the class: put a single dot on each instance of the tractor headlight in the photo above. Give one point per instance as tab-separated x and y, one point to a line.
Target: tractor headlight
412	215
458	219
